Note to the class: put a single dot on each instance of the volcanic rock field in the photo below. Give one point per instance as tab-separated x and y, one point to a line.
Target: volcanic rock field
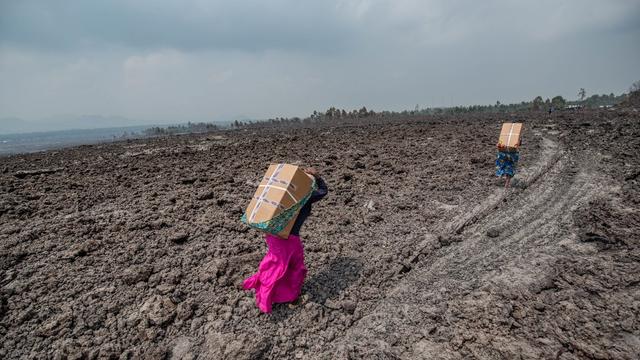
135	249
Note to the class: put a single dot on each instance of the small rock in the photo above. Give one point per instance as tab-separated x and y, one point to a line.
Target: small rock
373	218
136	274
160	310
589	236
493	233
158	224
182	349
208	195
519	313
185	310
331	304
178	296
221	202
179	238
370	205
165	289
349	306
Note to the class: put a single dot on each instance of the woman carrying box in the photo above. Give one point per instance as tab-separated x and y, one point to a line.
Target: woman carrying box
281	272
508	156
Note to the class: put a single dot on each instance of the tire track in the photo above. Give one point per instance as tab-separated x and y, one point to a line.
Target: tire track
550	156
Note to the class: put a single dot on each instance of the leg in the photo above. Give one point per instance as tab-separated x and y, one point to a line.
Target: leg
507	182
271	270
289	286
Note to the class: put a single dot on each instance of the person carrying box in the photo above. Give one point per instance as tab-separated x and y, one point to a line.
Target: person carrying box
282	271
508	151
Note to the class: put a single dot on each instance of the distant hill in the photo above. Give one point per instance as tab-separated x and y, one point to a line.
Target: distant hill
12	125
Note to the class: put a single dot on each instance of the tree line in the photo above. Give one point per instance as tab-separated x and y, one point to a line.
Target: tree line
187	128
343	116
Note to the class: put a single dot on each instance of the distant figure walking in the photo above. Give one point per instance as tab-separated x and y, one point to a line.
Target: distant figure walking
282	271
508	147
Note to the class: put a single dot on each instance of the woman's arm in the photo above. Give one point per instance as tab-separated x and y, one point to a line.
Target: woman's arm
321	190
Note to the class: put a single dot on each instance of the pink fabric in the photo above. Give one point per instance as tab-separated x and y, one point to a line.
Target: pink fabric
280	274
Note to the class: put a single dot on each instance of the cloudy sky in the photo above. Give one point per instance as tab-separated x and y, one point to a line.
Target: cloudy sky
161	61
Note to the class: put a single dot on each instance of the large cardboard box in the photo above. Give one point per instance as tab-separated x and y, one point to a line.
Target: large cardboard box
282	187
510	136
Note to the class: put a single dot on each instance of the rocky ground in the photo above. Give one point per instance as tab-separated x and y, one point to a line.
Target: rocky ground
135	249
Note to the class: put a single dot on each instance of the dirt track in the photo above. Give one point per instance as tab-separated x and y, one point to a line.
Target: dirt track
135	249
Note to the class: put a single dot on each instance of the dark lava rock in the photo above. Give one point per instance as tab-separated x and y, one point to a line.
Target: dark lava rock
159	310
135	274
179	238
373	218
208	195
188	181
493	233
185	310
347	177
349	306
594	237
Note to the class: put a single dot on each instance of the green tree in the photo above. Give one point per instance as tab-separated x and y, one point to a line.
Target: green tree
558	102
582	94
537	103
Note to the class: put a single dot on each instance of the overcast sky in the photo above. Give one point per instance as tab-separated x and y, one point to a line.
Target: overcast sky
161	61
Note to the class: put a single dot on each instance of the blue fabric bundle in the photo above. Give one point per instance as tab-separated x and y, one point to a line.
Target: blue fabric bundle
506	163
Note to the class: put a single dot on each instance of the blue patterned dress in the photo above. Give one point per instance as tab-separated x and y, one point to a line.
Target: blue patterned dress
506	163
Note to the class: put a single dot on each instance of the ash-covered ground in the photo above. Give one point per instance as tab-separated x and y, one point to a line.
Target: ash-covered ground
135	249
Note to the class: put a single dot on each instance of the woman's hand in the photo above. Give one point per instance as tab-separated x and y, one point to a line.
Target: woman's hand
311	171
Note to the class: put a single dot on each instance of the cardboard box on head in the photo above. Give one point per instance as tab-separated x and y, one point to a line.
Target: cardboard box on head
282	191
510	137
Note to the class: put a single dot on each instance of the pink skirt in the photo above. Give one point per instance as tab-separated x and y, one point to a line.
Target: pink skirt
280	274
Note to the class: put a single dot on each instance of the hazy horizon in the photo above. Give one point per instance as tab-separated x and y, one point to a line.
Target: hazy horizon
159	62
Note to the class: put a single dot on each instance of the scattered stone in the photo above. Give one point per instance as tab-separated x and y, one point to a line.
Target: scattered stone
594	237
179	238
185	310
165	289
182	349
188	181
208	195
24	173
493	233
159	310
370	205
349	306
221	202
373	218
137	273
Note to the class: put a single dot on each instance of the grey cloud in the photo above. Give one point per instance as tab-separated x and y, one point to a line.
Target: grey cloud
171	61
185	25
